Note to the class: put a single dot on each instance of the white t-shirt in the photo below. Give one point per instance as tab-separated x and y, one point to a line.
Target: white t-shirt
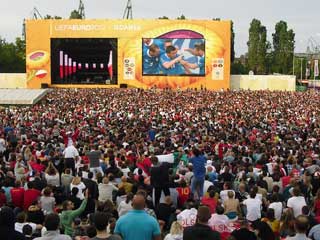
277	206
81	187
253	208
18	226
187	217
124	207
70	152
296	203
219	222
206	185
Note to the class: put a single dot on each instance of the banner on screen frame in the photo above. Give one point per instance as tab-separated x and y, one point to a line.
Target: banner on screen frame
217	69
129	68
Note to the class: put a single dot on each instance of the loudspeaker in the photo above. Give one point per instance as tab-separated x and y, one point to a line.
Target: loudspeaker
123	85
44	85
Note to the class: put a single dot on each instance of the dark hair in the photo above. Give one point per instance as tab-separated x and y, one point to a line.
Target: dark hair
101	221
203	214
27	230
90	175
270	214
170	49
129	197
30	185
219	210
52	222
153	47
212	194
47	191
253	193
21	217
91	231
196	152
265	232
301	224
74	191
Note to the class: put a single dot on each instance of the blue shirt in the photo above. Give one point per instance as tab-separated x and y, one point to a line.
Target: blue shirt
175	69
150	64
152	134
199	169
158	42
201	66
137	225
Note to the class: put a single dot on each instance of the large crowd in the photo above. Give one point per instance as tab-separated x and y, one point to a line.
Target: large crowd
137	164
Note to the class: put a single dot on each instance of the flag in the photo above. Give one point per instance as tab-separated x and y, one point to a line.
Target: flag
70	66
110	66
74	67
66	64
101	65
79	66
61	64
316	68
94	66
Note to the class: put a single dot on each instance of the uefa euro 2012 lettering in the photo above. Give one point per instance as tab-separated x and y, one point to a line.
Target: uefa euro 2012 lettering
126	27
79	27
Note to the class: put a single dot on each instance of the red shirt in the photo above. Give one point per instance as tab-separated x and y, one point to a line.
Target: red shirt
211	203
30	196
17	196
184	194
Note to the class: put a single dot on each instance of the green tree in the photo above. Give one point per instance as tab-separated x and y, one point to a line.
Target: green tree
182	17
51	17
163	17
283	48
257	47
75	15
12	56
232	43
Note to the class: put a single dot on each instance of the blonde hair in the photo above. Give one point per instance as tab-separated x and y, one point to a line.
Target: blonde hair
176	228
76	180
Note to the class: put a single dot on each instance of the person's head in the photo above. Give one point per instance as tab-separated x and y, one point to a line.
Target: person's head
171	52
176	228
196	152
154	160
301	224
203	215
52	222
67	205
90	175
91	231
129	197
305	210
212	193
17	183
270	214
154	50
30	185
253	193
168	200
27	230
199	49
230	194
167	43
67	171
21	217
105	180
101	221
263	230
47	192
296	191
139	201
219	210
74	191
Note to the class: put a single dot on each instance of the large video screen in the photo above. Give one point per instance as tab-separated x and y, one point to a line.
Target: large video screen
173	57
84	60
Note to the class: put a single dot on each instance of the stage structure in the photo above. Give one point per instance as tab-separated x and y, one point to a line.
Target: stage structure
128	53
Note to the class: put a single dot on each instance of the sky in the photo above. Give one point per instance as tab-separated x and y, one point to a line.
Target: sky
301	16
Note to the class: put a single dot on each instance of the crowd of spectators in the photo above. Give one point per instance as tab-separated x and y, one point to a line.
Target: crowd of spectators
138	164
